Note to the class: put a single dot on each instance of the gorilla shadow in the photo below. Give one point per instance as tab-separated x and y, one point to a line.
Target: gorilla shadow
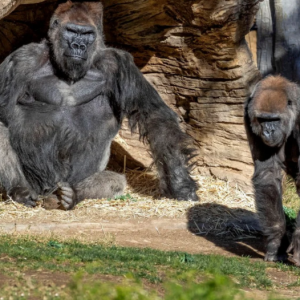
235	230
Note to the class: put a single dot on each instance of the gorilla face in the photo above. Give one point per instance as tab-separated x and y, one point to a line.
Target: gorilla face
273	109
73	47
271	129
74	37
76	41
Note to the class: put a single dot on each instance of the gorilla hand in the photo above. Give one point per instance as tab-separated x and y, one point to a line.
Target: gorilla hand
65	195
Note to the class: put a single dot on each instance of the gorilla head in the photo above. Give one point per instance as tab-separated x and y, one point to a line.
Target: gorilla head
272	110
75	33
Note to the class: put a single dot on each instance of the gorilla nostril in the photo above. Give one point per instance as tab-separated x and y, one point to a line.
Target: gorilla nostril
75	46
78	46
83	47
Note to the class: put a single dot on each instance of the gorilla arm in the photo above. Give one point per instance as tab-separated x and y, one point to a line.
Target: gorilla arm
12	178
157	123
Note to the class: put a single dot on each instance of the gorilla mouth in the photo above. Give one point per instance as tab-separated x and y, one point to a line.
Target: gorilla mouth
76	57
273	142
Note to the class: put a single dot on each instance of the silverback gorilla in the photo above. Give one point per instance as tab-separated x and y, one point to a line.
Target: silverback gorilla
62	101
272	123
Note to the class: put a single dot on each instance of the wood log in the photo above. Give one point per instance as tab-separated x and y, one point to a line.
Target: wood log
279	49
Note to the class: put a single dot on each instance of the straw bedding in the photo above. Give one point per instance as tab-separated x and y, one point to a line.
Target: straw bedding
222	209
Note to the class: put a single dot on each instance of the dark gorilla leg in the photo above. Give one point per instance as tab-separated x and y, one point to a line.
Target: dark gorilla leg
268	196
295	245
12	179
104	184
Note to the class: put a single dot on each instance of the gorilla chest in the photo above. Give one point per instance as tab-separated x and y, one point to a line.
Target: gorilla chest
83	105
66	118
50	90
63	130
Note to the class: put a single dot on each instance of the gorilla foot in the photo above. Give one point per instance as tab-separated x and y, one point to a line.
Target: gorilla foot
24	196
66	195
275	257
277	249
295	247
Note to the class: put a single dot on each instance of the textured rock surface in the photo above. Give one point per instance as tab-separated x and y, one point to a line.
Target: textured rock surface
7	6
195	54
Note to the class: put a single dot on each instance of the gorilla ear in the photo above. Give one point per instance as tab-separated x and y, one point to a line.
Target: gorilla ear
54	21
96	12
253	89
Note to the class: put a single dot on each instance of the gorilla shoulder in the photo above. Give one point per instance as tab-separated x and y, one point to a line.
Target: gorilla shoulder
30	58
113	58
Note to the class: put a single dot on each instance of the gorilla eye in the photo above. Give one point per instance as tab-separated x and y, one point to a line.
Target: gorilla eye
290	102
71	30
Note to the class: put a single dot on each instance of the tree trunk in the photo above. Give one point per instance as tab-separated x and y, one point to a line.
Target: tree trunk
278	38
195	54
265	38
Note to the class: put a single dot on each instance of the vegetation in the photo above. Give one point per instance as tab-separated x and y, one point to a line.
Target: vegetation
290	197
109	272
178	275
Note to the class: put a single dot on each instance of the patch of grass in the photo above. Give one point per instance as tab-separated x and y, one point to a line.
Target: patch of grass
290	217
183	276
290	196
216	287
153	265
123	197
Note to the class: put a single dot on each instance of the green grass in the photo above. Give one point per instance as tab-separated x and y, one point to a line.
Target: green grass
291	203
183	276
123	197
149	264
215	288
290	197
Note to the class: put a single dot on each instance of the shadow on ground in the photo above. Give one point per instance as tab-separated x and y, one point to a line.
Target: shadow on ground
235	230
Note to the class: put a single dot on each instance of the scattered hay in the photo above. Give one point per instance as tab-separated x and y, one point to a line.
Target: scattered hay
220	210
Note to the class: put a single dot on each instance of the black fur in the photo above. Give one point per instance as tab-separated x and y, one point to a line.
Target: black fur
57	121
270	158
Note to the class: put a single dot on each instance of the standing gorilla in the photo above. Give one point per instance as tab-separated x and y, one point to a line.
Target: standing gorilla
62	101
272	124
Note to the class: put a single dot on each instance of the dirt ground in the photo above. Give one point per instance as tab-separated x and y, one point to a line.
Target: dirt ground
163	234
223	222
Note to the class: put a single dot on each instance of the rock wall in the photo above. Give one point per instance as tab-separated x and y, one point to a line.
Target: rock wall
196	56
